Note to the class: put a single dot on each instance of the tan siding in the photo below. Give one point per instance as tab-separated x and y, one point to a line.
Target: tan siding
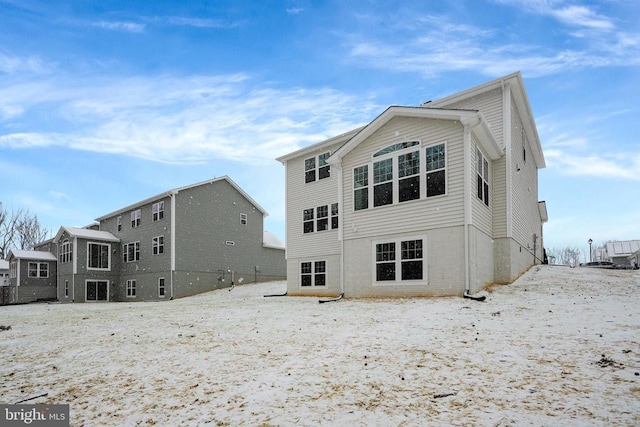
435	212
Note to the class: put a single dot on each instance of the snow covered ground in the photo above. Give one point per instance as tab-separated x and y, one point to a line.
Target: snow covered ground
560	346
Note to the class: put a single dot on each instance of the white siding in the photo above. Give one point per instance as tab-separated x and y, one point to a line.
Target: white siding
481	213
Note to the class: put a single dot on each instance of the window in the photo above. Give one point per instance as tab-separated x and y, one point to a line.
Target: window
396	147
322	223
66	288
409	176
334	216
482	169
383	182
361	188
131	288
307	220
119	223
98	257
161	287
405	266
66	251
319	163
135	218
243	219
157	245
157	211
436	175
313	273
131	252
97	290
38	269
13	270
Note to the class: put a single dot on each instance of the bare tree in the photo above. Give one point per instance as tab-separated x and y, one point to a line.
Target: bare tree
8	227
29	232
565	256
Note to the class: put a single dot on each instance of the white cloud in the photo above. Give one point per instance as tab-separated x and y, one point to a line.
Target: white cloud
121	26
620	166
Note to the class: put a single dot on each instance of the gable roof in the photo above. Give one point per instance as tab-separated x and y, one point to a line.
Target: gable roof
467	117
516	83
35	255
179	189
624	248
270	240
86	233
342	138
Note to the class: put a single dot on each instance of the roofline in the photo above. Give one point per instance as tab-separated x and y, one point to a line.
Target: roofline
35	255
343	137
69	230
179	189
473	118
522	102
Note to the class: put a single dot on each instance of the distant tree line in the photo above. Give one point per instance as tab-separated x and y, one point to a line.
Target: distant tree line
564	256
19	229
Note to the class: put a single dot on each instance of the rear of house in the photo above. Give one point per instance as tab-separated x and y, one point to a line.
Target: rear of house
32	277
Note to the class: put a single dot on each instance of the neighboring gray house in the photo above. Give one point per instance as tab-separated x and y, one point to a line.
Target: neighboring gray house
32	277
4	281
440	199
182	242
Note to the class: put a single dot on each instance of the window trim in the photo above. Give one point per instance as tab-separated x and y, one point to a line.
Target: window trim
157	211
136	218
131	288
136	252
312	274
66	252
398	240
108	246
39	269
484	175
162	287
157	245
312	167
244	219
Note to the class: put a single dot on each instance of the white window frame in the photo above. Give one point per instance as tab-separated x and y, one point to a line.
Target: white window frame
483	176
243	219
157	245
136	218
369	186
157	211
398	262
119	223
66	251
313	274
131	288
39	268
86	283
162	290
108	246
136	252
312	165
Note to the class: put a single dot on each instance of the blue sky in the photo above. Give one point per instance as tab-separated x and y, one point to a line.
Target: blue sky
103	104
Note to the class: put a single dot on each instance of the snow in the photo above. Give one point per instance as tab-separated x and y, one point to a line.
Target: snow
560	346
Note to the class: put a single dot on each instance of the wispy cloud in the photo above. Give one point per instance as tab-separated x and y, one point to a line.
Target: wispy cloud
131	27
619	166
12	64
178	119
568	14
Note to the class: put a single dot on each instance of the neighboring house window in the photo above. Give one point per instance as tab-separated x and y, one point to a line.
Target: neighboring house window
157	211
131	288
307	220
66	288
243	219
482	169
38	269
136	216
119	223
131	252
436	170
98	256
318	164
157	245
399	260
66	251
313	273
13	270
361	188
334	216
161	287
322	222
383	182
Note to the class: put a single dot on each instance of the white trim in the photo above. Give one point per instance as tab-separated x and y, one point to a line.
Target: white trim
134	287
164	287
313	274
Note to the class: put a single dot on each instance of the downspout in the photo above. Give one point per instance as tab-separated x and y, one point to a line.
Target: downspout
506	143
173	240
467	206
338	166
74	269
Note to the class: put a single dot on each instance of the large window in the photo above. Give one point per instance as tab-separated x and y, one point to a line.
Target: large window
399	260
317	167
97	290
157	211
322	222
66	251
482	173
313	273
157	245
136	217
131	252
38	269
400	174
98	257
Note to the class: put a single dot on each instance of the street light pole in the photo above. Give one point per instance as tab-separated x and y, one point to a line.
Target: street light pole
590	252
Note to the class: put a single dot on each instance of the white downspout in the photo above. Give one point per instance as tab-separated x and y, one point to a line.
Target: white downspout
506	143
341	224
467	205
74	270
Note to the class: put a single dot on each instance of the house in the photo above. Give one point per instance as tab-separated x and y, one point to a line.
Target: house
4	281
440	199
621	253
32	277
178	243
